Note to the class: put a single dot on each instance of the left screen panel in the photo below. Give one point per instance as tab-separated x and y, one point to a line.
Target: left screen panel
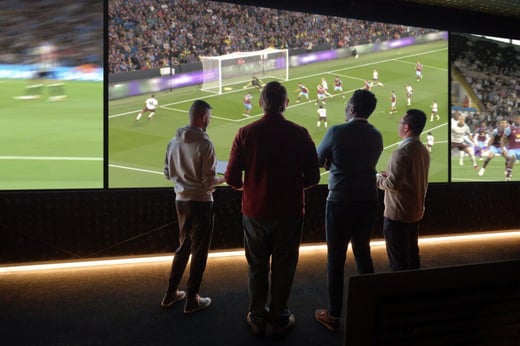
51	94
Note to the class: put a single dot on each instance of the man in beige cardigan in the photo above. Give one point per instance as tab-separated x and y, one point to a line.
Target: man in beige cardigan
405	183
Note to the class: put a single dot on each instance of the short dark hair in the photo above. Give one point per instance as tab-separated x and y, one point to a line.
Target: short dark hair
416	120
273	97
198	109
364	102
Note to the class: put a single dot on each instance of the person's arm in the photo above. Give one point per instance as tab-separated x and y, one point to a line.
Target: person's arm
394	176
233	174
311	168
209	167
167	166
324	149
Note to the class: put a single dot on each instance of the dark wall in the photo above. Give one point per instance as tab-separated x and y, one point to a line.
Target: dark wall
65	225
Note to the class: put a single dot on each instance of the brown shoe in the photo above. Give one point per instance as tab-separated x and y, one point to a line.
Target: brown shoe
323	316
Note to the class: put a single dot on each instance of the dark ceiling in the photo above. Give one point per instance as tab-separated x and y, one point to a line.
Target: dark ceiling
504	8
487	17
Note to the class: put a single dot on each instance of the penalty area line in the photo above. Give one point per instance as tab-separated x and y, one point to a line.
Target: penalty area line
173	109
135	169
185	111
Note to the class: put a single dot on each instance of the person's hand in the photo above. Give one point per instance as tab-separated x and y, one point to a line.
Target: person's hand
381	175
326	163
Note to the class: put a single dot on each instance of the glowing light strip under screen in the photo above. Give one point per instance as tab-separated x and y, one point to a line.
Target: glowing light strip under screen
234	253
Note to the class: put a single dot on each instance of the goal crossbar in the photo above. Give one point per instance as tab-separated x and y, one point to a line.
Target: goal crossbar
227	71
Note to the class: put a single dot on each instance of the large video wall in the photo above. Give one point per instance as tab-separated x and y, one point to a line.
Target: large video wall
73	87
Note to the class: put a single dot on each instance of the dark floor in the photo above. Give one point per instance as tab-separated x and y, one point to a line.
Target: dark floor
119	304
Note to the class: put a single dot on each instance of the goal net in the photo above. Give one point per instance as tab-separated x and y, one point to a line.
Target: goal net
236	69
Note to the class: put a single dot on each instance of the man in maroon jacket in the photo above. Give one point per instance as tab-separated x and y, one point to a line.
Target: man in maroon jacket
273	161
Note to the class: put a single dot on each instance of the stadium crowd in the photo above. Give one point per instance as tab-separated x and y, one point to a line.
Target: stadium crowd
74	27
491	69
141	32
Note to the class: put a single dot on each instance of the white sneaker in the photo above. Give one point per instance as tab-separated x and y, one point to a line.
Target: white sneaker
481	172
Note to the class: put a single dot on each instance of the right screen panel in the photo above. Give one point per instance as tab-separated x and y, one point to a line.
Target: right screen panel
485	123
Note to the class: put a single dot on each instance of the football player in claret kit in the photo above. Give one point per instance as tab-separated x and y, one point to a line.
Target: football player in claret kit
418	71
512	140
494	145
302	91
320	95
393	103
247	105
150	105
338	85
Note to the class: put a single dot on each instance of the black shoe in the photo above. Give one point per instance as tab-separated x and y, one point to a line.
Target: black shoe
256	329
285	327
171	298
196	303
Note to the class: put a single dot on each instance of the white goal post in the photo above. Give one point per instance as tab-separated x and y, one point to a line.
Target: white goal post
238	68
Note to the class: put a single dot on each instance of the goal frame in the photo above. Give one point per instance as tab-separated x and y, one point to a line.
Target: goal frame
238	68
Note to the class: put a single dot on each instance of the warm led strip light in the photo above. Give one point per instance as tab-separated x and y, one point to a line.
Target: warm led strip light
303	248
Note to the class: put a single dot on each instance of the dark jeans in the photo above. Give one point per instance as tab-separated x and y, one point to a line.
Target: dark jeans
347	222
402	244
277	239
195	231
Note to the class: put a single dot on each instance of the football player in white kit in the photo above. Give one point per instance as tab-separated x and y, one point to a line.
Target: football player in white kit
150	105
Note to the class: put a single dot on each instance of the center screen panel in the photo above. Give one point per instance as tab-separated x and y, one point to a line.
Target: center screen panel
179	53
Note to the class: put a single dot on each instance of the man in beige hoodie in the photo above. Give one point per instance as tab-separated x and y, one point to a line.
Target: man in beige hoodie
190	163
405	183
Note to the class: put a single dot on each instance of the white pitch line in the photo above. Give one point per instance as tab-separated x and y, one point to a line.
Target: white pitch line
174	109
51	158
427	66
135	169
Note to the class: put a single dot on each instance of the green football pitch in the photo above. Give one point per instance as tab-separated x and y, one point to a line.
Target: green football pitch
51	145
136	148
495	170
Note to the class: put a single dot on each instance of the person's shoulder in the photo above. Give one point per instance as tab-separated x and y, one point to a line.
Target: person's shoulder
290	123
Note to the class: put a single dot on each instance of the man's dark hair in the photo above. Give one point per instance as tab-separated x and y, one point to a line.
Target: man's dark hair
416	120
198	109
273	97
364	102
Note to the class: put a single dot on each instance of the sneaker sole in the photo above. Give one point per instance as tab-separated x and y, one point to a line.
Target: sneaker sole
325	323
200	307
169	305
